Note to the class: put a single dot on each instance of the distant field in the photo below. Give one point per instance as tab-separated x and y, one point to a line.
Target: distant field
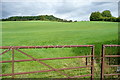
22	33
38	33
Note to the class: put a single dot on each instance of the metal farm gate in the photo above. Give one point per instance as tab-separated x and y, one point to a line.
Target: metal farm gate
103	62
92	56
18	48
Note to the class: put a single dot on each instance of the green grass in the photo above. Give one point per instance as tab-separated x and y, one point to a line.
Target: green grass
57	33
38	33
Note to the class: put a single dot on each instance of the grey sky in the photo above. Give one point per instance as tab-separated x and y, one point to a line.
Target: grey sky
75	10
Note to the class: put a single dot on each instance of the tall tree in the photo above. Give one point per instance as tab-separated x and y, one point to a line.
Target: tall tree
95	16
106	13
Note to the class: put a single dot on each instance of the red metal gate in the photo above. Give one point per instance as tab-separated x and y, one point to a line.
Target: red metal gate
17	48
103	56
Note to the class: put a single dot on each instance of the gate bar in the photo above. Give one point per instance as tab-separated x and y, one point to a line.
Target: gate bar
4	52
47	59
92	63
102	62
112	55
23	47
111	74
45	70
13	63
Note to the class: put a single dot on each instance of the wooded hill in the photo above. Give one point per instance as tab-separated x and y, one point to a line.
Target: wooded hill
41	17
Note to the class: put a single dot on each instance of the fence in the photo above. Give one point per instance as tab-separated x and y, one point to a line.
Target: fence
103	56
103	61
17	48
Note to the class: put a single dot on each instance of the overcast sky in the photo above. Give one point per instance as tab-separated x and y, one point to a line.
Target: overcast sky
70	10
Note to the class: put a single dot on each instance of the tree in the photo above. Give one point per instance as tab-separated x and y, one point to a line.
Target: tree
106	13
95	16
75	21
118	19
113	19
70	21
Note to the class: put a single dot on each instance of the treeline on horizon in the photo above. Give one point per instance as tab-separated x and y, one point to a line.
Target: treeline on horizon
95	16
41	17
104	16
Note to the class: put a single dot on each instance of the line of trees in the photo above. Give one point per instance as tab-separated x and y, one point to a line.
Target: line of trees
41	17
104	16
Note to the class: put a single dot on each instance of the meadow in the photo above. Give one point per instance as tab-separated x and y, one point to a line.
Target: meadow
39	33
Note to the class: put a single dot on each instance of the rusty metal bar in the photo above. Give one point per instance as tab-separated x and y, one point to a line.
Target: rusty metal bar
112	55
23	47
102	62
111	74
5	51
47	59
81	76
92	63
44	63
12	63
45	70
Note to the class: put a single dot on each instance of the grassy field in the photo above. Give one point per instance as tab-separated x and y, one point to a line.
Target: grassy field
38	33
57	33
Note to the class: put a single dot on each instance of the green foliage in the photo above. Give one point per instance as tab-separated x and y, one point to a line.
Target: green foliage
75	21
112	19
106	13
104	16
95	16
118	19
41	17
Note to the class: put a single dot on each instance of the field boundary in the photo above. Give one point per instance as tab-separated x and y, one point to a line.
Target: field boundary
17	48
103	56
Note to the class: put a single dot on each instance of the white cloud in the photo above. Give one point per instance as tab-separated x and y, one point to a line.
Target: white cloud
45	0
64	9
59	0
104	0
